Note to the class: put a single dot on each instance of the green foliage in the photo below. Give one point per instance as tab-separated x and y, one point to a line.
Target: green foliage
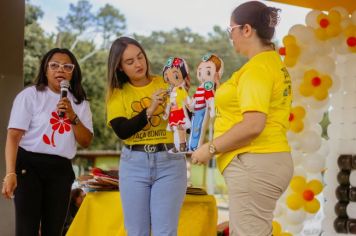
36	42
190	46
92	56
78	19
110	22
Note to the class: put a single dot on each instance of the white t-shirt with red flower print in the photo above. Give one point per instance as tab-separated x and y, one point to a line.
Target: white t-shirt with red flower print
45	132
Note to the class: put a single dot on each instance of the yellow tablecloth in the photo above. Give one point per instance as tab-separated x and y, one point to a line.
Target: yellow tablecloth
101	215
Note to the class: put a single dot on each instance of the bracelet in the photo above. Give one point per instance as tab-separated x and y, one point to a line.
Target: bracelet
7	175
75	121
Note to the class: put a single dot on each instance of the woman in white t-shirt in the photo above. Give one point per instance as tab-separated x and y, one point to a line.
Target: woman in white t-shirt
42	137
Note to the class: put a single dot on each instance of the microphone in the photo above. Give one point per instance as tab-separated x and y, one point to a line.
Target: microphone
64	92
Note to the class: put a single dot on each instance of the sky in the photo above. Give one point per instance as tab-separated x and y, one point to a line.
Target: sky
145	16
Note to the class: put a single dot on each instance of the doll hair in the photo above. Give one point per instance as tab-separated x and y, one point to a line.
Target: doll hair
219	64
176	62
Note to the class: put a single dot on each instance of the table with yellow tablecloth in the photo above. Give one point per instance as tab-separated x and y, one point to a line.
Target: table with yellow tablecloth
101	215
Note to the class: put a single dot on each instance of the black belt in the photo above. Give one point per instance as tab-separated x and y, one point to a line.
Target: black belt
151	147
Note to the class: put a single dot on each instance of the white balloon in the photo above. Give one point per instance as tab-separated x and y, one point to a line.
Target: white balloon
325	65
315	116
303	34
280	210
336	84
324	104
297	157
294	140
352	178
314	163
329	192
315	176
295	217
351	210
324	149
310	141
294	229
311	18
296	73
299	171
343	12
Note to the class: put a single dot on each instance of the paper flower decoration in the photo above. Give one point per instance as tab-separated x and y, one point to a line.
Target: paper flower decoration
277	230
316	85
329	25
155	119
296	119
303	195
290	51
350	33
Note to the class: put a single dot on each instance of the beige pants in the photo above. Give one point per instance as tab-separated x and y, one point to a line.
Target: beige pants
255	182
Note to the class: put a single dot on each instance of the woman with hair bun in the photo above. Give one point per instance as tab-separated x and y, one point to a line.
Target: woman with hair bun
252	112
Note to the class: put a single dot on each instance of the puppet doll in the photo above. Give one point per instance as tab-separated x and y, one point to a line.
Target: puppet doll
209	73
175	72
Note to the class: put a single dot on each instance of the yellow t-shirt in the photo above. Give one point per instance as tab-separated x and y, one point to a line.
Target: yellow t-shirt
129	101
262	84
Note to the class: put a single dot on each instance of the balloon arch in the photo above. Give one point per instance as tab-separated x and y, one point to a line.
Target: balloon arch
321	59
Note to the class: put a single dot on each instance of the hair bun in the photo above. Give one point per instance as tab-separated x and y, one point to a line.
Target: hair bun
273	17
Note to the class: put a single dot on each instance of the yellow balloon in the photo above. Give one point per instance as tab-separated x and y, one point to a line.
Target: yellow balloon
320	94
334	17
285	234
299	111
326	82
305	90
276	228
315	186
312	206
289	39
290	61
311	74
333	30
320	17
294	201
292	50
298	184
297	126
321	34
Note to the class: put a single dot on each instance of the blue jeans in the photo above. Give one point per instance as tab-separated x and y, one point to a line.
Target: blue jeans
152	188
197	128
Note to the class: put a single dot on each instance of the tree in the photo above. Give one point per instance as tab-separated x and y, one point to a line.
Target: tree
110	23
78	19
36	42
92	58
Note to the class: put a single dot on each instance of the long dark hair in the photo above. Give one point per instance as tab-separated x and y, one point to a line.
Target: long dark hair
261	17
75	88
116	77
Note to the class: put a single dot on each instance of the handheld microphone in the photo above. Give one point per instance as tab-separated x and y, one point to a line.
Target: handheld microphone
64	92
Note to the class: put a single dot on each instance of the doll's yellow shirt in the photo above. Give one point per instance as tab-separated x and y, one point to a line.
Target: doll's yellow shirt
129	101
264	85
181	96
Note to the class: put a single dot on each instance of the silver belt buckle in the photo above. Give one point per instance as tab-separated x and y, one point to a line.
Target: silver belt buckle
150	148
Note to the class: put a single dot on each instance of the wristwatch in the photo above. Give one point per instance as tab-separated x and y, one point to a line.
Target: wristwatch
75	121
212	148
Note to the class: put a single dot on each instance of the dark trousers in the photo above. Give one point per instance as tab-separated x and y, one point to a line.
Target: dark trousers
42	194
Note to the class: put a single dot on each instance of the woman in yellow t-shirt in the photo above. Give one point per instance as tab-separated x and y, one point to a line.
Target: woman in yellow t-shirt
152	181
253	108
